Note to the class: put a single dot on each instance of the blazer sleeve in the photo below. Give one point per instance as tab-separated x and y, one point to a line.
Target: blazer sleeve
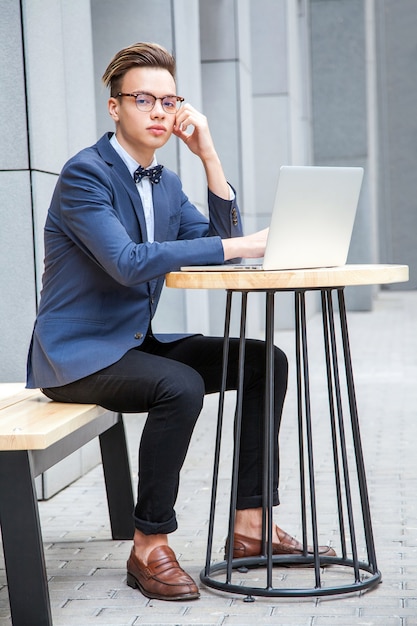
89	205
224	215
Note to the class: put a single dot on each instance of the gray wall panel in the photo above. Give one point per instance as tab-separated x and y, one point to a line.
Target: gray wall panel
17	278
46	89
59	81
42	188
269	47
120	24
218	36
397	83
13	124
339	108
339	81
219	87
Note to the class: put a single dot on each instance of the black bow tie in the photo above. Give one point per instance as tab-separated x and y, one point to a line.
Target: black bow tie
154	174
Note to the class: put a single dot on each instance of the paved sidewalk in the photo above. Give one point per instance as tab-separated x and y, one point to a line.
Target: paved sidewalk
87	569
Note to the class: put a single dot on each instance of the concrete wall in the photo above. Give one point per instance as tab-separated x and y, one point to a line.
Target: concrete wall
17	272
48	114
340	113
396	61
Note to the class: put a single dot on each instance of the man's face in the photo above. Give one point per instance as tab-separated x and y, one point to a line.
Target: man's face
142	132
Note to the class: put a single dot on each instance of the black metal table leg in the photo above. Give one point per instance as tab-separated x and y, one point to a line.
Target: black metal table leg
269	443
342	475
304	411
365	573
360	465
22	541
216	463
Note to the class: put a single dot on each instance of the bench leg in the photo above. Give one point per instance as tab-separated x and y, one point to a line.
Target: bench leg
22	541
118	480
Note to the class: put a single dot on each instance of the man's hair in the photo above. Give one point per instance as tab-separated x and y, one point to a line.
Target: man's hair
137	55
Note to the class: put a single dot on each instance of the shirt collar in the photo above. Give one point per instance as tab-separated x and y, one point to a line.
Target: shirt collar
129	161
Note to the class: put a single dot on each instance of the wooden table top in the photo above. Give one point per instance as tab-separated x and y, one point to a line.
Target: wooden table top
342	276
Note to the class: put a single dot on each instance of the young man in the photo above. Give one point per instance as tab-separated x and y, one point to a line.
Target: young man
113	231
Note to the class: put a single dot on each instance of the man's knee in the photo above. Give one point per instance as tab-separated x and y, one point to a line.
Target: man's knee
187	388
280	361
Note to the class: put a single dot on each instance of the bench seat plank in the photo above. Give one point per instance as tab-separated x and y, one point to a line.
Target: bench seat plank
10	393
8	389
35	423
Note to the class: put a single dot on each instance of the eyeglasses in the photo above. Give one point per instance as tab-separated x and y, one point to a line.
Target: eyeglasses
146	101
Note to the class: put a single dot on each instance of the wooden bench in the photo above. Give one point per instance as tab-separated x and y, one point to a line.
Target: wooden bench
36	433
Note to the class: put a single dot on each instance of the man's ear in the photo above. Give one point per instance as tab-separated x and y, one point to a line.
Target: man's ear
113	108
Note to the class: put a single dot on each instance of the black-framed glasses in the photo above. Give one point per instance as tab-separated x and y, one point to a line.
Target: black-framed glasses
146	101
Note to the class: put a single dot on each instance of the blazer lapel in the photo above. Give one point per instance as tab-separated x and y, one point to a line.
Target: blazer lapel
160	210
112	158
131	189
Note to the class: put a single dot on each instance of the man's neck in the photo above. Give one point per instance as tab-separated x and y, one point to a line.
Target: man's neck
143	157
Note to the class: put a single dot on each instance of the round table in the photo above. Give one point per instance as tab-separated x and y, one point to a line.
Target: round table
356	573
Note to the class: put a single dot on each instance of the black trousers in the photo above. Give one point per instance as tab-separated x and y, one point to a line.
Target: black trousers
169	381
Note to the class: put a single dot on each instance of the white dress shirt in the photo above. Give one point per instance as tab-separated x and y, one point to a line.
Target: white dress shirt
144	187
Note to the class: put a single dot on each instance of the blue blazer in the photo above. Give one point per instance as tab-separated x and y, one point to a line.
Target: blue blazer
102	278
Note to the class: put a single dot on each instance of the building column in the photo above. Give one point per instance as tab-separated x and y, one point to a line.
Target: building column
340	62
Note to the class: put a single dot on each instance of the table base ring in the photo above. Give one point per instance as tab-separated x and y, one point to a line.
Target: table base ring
365	583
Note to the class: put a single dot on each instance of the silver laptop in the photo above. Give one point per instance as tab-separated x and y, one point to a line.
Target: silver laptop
312	219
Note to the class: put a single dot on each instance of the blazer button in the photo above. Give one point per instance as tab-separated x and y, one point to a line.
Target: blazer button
138	335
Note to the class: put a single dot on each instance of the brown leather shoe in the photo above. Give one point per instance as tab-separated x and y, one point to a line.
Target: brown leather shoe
247	546
162	578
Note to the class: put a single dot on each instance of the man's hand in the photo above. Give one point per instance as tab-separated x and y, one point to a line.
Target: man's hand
247	247
199	141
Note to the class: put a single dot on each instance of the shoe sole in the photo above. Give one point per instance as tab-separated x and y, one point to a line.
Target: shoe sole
135	584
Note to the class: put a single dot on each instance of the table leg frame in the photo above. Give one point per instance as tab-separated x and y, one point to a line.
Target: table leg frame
22	541
365	573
